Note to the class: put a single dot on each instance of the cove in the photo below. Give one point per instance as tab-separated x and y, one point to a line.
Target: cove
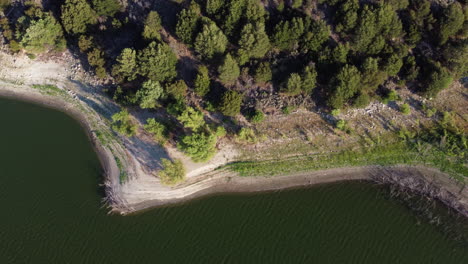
52	213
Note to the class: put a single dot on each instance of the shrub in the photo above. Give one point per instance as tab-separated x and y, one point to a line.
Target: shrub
341	125
257	117
362	100
199	146
231	103
122	123
172	172
156	129
405	109
246	135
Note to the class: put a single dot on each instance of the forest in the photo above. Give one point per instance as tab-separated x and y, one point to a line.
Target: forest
192	60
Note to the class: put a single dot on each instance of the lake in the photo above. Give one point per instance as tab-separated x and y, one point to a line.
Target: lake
52	213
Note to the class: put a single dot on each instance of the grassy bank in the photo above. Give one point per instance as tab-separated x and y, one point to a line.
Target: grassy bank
441	147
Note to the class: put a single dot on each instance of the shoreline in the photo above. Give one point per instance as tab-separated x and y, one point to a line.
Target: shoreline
424	180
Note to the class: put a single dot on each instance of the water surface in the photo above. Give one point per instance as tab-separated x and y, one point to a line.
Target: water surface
51	213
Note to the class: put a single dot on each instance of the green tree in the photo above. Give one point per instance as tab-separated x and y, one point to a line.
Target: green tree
347	15
232	16
293	85
202	81
455	55
177	89
187	23
231	103
152	26
210	41
157	62
229	70
149	93
77	15
213	7
96	59
199	146
263	73
309	79
317	34
393	64
172	172
122	123
192	119
451	22
126	67
106	7
366	29
372	77
43	34
85	43
287	34
439	79
410	69
157	130
344	85
254	43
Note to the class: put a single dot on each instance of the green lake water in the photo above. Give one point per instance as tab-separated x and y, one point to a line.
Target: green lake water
51	212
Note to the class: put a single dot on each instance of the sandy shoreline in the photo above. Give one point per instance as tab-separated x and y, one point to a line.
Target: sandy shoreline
427	181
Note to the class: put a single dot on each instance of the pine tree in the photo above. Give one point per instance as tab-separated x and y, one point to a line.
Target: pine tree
231	103
157	62
126	67
210	41
263	73
106	7
309	79
149	93
229	70
344	85
77	15
187	23
202	81
293	85
451	22
254	43
152	26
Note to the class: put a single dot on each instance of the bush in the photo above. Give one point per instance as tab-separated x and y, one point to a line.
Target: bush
361	101
122	123
231	103
287	110
199	146
341	125
156	129
246	135
172	172
257	117
405	109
